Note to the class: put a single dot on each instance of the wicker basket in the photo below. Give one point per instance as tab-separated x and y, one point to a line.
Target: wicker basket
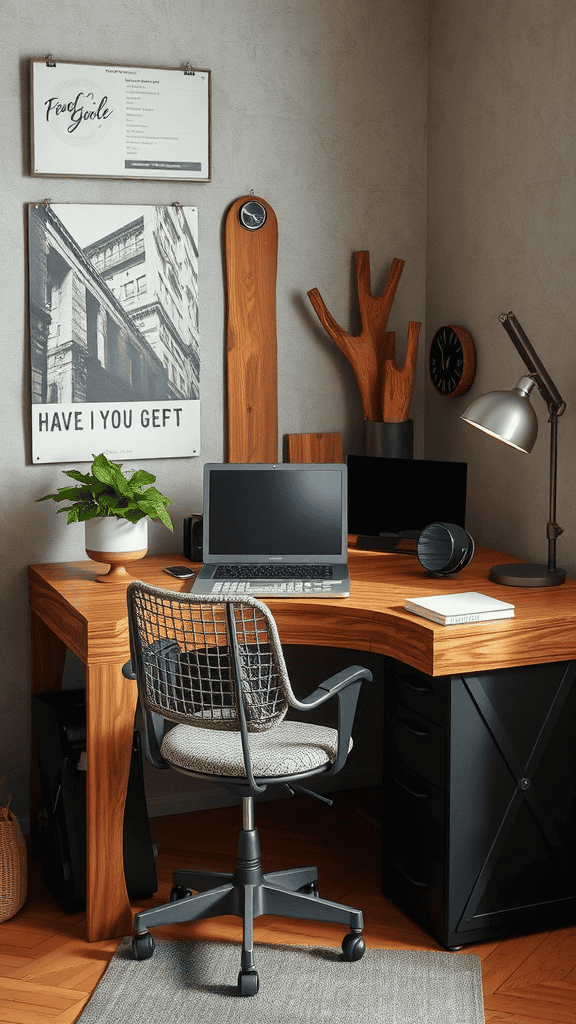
13	869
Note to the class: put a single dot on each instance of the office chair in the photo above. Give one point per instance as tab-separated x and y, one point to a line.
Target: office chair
213	693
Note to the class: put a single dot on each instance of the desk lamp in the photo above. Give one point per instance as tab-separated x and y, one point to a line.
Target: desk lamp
509	416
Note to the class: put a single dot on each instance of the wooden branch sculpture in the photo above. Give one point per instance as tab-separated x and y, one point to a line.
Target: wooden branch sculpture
384	388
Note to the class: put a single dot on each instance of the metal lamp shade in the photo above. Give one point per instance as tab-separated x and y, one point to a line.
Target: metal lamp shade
507	415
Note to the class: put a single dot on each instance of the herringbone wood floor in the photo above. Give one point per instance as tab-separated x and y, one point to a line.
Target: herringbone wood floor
48	970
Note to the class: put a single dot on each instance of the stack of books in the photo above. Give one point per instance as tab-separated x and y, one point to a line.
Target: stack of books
451	609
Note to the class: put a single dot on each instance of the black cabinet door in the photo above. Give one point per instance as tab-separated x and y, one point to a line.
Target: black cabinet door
503	848
512	829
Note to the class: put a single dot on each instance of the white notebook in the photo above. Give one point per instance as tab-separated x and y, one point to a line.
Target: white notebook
450	609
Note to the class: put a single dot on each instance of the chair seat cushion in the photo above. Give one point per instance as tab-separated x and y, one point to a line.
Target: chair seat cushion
290	748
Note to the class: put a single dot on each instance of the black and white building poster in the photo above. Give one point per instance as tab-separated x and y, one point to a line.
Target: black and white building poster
114	340
99	121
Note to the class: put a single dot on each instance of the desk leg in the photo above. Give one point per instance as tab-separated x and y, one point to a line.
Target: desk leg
111	703
47	657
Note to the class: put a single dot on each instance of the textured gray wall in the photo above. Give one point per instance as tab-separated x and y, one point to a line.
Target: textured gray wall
502	236
319	106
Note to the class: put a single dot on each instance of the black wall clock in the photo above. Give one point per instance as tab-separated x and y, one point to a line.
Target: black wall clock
452	361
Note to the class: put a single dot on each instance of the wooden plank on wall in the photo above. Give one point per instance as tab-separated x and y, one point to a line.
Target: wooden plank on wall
251	263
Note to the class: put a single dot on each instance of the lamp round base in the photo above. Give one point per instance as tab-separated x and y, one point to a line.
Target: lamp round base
526	574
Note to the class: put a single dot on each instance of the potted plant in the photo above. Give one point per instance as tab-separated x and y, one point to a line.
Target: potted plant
115	510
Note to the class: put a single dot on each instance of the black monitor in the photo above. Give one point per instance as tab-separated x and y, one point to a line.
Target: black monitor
402	496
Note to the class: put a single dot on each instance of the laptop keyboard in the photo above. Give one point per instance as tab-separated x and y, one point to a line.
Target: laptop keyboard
280	588
269	580
273	572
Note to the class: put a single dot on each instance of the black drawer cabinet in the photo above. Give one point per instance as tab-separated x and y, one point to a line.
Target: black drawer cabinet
479	825
419	846
425	695
419	744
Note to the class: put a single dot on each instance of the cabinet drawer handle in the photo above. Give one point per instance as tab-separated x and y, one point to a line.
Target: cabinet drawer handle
413	881
415	727
412	686
412	792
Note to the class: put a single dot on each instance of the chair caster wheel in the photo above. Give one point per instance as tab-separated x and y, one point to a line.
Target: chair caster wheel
178	892
248	983
143	946
353	946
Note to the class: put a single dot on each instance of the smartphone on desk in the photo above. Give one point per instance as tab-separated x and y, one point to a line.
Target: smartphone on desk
181	572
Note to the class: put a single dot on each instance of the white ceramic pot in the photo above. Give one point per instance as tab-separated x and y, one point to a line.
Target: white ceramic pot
115	542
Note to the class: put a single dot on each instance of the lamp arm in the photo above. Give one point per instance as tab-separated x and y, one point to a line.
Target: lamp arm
544	382
553	531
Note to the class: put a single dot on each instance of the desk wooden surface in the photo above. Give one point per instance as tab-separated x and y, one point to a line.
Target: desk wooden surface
90	617
71	609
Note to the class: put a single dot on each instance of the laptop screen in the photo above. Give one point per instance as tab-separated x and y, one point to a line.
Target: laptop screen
274	513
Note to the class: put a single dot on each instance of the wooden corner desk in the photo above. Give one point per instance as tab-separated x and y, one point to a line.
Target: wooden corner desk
70	609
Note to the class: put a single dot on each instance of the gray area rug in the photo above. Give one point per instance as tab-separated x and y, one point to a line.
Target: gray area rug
189	982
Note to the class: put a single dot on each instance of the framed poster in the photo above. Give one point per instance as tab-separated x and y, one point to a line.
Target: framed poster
114	337
103	121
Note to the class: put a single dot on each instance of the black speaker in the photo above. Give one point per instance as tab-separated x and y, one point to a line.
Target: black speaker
59	722
444	548
192	540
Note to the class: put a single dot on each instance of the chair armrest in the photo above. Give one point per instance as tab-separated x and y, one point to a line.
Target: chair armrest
150	726
345	686
334	685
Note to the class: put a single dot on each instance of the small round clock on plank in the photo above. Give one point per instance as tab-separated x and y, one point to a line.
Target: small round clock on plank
452	361
252	215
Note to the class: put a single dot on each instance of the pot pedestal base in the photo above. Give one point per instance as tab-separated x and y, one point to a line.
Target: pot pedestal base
116	560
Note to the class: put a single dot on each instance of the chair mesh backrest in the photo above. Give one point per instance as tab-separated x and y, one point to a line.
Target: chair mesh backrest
183	658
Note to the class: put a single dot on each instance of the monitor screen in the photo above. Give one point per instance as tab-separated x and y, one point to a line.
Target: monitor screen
401	495
262	511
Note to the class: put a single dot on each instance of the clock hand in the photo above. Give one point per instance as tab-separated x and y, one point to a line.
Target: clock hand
441	347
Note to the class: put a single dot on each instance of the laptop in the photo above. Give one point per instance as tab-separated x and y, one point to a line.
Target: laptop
275	530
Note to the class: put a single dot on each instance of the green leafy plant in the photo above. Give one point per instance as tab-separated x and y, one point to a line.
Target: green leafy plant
106	491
